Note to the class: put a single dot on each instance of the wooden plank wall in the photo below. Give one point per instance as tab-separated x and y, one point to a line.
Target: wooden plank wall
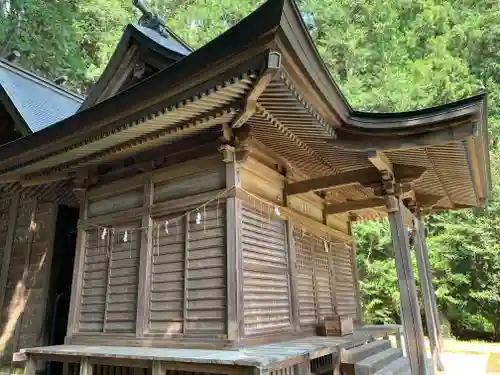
266	287
23	312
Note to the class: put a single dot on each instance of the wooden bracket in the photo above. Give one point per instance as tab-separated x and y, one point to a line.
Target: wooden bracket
272	67
382	163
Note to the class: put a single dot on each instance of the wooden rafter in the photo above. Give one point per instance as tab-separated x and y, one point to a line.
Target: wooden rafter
338	208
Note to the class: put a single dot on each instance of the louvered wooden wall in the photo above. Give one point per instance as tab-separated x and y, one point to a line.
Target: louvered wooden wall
315	283
266	288
93	294
305	278
188	279
167	277
206	273
323	275
184	261
345	289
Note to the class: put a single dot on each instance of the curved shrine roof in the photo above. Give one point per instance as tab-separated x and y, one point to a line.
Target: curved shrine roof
296	110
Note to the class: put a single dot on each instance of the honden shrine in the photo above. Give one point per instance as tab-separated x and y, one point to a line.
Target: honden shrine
194	213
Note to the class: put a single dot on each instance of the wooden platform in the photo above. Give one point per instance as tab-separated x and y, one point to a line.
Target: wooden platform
268	356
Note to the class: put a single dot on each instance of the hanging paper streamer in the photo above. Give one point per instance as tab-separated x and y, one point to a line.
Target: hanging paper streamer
33	226
104	233
125	237
198	218
166	226
277	211
204	222
325	244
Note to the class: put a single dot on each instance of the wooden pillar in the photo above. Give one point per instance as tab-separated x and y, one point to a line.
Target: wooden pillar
359	309
86	367
235	324
428	295
412	321
145	260
30	367
77	282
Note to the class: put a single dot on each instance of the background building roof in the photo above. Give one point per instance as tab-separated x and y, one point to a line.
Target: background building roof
37	102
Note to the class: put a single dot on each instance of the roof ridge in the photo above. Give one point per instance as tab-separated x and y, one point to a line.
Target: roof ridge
16	69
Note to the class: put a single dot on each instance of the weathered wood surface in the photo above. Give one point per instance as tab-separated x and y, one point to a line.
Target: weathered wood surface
26	277
412	321
267	355
430	307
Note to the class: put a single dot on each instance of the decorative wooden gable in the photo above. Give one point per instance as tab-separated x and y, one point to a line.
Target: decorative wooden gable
140	53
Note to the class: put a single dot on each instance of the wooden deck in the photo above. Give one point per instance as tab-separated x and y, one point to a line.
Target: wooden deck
267	356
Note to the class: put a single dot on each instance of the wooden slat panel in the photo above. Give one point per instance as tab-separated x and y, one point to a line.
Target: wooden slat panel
305	277
167	277
266	294
121	301
206	276
323	283
345	291
95	275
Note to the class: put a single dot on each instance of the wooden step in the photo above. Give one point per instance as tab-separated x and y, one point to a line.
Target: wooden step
359	353
400	366
372	364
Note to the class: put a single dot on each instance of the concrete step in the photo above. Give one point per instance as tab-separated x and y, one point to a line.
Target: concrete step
359	353
372	364
400	366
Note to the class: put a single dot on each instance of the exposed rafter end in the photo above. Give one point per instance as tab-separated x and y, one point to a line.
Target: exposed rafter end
339	208
272	67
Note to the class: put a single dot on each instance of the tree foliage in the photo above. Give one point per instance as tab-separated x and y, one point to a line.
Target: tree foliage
390	55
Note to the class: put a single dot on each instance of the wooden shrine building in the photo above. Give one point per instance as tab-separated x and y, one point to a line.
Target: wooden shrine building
194	213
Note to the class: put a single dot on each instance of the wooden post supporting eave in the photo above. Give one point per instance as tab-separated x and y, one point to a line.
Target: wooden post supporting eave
428	295
235	324
359	308
412	321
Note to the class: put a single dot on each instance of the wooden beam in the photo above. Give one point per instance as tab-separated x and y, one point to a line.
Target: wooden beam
365	177
410	311
382	163
273	66
338	208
